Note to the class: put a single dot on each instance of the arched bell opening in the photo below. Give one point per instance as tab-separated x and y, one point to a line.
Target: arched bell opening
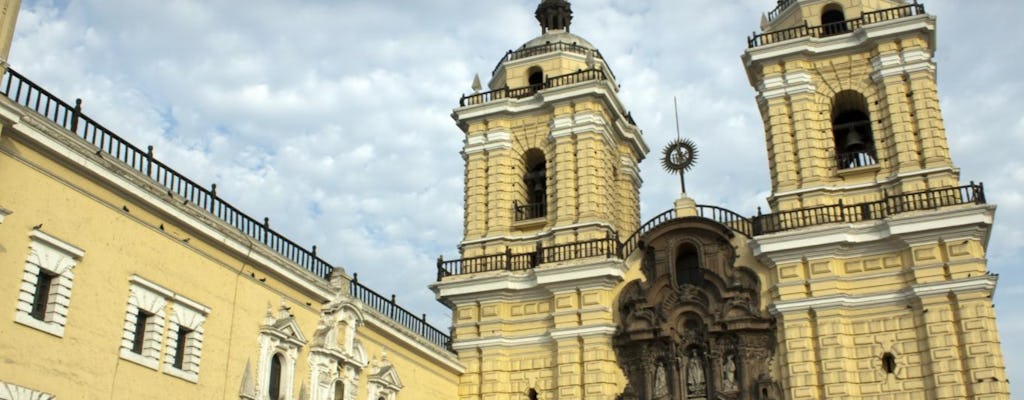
533	203
688	266
851	130
833	20
535	77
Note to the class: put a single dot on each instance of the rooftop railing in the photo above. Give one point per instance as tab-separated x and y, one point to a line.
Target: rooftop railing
546	48
760	224
527	91
26	93
835	28
782	6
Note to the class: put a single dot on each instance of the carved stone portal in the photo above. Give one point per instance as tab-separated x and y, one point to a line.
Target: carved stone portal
694	329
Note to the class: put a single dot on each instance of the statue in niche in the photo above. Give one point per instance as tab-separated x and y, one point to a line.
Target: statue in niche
694	374
729	374
660	384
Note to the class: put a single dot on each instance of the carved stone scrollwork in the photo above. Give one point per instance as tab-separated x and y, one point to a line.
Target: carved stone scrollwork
702	336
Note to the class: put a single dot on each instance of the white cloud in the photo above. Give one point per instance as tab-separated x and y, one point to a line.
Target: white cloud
332	117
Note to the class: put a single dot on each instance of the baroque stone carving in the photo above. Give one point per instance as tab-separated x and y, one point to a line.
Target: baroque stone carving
702	336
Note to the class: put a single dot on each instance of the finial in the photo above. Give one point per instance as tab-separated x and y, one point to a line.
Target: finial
476	84
554	14
679	155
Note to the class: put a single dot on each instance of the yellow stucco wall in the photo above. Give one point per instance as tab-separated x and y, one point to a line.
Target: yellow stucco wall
41	186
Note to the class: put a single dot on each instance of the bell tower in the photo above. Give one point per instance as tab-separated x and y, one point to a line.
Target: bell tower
850	110
876	253
551	152
551	185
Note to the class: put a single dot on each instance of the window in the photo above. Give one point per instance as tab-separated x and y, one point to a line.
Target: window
139	339
45	295
151	309
851	131
179	347
833	20
535	76
274	384
688	266
532	394
339	390
534	189
44	280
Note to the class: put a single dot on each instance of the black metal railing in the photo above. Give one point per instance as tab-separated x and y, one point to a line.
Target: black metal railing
888	205
527	91
529	210
835	28
26	93
760	224
546	48
779	8
508	261
389	307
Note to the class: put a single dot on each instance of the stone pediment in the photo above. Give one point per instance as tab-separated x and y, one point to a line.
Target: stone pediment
283	327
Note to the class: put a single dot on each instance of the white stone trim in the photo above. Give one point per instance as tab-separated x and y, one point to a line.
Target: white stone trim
876	183
57	258
963	222
10	391
505	284
146	296
548	233
809	46
335	354
986	284
383	381
279	335
605	90
497	139
893	64
779	85
189	315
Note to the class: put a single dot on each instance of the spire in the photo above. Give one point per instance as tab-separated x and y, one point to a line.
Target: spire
554	14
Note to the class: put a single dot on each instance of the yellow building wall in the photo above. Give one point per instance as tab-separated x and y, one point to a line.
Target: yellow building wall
123	235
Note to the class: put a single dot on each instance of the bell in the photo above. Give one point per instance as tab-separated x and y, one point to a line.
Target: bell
854	142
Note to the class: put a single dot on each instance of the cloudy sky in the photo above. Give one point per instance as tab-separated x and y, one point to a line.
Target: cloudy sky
332	117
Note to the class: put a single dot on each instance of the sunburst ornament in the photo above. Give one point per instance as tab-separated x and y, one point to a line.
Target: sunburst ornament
679	156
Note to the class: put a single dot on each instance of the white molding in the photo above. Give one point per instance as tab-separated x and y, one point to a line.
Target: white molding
868	34
605	90
986	284
968	221
548	233
868	185
393	330
549	278
10	391
496	139
58	258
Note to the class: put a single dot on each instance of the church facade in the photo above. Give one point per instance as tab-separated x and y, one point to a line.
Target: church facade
866	278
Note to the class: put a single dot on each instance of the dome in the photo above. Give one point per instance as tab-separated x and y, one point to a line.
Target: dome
559	36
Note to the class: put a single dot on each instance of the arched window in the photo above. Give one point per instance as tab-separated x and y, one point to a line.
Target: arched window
535	76
274	389
535	185
833	20
688	266
851	130
339	390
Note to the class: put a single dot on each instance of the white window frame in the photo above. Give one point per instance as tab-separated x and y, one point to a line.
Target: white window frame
151	298
57	258
279	335
15	392
190	315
